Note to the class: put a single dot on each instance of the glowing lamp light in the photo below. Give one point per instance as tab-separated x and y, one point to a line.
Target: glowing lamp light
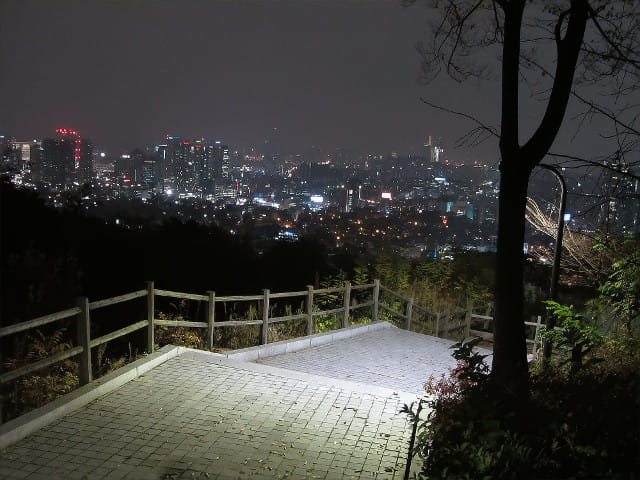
386	195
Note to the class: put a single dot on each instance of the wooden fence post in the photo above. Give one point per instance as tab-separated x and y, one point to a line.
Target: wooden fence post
376	298
347	303
535	338
83	325
309	309
487	311
409	313
265	318
468	317
447	319
211	318
437	324
150	316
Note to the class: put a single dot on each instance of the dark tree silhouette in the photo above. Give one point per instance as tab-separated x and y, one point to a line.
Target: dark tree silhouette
578	50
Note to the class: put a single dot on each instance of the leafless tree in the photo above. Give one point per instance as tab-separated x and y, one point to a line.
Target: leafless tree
578	52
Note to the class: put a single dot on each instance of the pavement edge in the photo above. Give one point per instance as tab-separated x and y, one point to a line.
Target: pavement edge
18	428
293	345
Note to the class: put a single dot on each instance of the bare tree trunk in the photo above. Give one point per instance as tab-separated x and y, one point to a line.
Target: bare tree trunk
510	372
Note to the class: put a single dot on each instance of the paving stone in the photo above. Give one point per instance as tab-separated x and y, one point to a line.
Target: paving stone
298	415
389	357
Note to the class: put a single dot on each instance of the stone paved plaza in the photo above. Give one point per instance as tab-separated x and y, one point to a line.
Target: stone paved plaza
391	358
201	415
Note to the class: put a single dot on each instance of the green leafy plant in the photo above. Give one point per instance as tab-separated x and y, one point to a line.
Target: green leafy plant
181	336
574	334
581	426
621	291
37	389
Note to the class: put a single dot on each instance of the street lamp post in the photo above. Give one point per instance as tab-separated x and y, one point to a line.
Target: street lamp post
555	270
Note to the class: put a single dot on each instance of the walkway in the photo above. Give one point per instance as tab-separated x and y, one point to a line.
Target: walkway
391	358
200	415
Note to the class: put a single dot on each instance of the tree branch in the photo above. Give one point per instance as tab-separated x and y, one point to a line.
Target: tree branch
568	51
612	44
482	126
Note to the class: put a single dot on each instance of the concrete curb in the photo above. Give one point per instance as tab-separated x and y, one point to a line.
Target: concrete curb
286	346
18	428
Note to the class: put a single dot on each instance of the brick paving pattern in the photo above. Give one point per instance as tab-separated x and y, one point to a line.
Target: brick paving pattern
190	418
388	357
327	412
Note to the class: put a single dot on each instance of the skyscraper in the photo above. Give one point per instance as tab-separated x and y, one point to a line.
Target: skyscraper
83	158
353	195
67	159
433	151
149	173
272	151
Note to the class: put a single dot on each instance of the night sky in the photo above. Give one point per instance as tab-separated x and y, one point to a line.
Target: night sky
334	74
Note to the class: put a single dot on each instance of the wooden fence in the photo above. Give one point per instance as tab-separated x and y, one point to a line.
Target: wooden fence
412	317
82	313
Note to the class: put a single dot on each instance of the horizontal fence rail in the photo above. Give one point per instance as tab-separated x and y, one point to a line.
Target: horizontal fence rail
38	322
440	323
115	300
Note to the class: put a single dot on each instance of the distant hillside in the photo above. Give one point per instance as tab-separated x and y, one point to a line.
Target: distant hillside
50	256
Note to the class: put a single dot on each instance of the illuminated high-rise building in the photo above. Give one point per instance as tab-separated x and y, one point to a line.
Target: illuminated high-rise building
192	166
272	151
199	163
58	158
174	168
83	159
148	179
353	195
221	160
433	151
162	166
24	155
66	160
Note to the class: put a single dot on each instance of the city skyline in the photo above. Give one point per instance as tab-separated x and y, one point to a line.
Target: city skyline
335	75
